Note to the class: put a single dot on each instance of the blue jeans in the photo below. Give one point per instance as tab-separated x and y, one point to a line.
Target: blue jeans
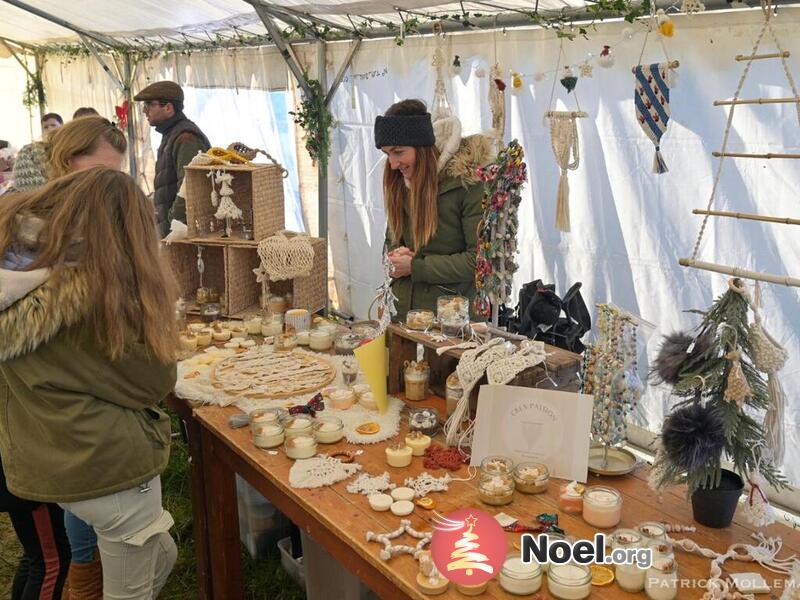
82	539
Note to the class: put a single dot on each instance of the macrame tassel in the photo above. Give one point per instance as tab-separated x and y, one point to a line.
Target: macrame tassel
562	204
773	422
659	166
737	389
755	507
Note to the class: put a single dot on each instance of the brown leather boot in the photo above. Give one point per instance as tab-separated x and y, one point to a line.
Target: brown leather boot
84	582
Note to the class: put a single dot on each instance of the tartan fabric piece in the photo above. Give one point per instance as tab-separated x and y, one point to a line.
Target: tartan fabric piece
651	98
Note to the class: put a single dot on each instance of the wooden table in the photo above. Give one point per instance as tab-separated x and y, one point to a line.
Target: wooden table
339	520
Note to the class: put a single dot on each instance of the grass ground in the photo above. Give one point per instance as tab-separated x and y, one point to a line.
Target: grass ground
264	579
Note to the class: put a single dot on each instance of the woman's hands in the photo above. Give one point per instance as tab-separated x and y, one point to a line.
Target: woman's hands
401	261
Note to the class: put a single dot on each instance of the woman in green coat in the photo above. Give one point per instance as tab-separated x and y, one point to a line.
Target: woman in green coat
433	203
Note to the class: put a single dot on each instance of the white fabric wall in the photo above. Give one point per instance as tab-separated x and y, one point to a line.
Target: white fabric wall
629	226
17	125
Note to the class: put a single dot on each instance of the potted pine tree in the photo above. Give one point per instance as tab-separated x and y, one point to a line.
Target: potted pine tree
722	400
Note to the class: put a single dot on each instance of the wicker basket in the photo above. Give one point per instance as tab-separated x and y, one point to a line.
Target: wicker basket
182	259
256	189
309	292
242	289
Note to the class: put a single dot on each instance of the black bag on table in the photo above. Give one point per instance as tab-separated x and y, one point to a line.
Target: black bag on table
539	316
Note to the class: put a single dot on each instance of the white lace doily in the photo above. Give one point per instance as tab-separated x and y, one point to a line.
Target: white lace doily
370	484
427	483
320	471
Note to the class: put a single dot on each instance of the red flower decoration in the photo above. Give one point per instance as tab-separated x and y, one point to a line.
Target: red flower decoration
122	115
501	85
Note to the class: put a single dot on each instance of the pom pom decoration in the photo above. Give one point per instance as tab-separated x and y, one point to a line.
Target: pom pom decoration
568	80
606	59
456	68
693	437
677	350
665	25
516	83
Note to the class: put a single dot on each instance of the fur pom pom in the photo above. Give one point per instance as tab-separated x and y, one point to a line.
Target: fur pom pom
674	354
693	437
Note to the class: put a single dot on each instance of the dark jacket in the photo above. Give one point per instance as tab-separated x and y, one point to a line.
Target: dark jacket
446	264
74	424
181	141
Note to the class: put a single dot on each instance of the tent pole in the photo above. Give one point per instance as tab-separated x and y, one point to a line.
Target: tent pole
128	75
38	59
36	76
322	170
340	74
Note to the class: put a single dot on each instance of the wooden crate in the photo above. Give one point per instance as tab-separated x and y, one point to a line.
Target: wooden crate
561	373
182	259
257	189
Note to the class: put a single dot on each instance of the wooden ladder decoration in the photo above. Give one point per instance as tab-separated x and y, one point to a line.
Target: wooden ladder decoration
766	7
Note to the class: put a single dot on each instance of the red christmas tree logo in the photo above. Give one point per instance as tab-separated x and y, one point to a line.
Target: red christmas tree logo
468	546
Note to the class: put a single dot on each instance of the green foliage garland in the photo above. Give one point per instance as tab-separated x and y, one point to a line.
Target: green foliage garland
316	120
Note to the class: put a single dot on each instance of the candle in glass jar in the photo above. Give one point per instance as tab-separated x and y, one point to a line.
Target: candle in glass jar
651	530
285	342
221	335
253	325
272	325
303	338
518	578
203	337
188	342
629	577
264	416
277	304
496	490
602	507
569	582
418	442
661	579
319	340
570	499
531	478
237	331
328	430
298	426
301	446
398	455
268	436
367	400
342	399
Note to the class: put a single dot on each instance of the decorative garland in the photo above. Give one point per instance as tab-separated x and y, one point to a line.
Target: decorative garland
497	232
316	120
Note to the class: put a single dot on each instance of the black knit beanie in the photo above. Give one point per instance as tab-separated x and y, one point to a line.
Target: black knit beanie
404	130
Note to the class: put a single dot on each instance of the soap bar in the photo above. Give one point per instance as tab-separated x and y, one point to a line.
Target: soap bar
750	583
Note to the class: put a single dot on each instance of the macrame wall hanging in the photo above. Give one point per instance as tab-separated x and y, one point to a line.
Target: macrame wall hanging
440	107
564	140
283	258
497	96
227	209
724	153
497	232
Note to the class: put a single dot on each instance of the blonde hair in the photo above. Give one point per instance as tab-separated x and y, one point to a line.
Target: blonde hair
105	213
81	136
423	197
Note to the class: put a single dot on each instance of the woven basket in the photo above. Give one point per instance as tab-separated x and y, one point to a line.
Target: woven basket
182	259
311	292
256	189
242	289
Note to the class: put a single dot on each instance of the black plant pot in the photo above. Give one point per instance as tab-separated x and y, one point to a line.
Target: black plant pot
714	507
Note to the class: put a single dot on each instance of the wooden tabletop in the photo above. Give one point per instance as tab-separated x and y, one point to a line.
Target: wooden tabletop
348	516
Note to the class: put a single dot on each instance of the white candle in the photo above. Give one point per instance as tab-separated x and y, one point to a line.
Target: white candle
298	426
630	577
303	337
519	578
418	442
301	446
328	430
342	399
320	340
402	493
380	502
238	332
602	507
268	436
569	582
398	456
253	325
402	508
271	327
661	580
203	337
263	416
188	342
221	335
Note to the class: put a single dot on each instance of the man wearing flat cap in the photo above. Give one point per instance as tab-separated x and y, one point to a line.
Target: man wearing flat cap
181	140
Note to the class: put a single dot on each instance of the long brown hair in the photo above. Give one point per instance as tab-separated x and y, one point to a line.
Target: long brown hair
80	137
423	192
105	213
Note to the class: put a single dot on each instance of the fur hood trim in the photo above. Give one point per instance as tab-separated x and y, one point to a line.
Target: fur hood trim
34	319
460	157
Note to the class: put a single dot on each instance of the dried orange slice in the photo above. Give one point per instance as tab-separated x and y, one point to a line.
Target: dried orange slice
426	502
368	428
601	575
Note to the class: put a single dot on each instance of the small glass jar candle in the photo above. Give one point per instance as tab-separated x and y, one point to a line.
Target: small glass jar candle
602	507
569	582
629	577
531	478
201	296
419	320
298	318
269	435
188	342
204	337
554	536
219	334
347	342
238	331
349	371
272	324
366	330
253	326
496	490
297	426
319	340
661	579
497	465
360	389
416	376
285	342
453	314
264	416
277	304
342	399
570	499
303	337
210	312
195	328
453	392
418	442
518	578
425	420
398	455
328	430
652	530
300	446
367	400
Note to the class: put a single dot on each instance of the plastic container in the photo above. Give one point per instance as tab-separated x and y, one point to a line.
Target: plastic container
294	567
261	525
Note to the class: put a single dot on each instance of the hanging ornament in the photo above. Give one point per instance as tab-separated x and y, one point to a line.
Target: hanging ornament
665	25
480	72
516	83
497	102
586	69
568	80
564	139
122	115
628	33
500	84
692	6
737	389
651	102
606	59
456	68
755	506
538	76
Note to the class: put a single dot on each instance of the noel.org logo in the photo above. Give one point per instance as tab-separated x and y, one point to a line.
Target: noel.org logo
468	546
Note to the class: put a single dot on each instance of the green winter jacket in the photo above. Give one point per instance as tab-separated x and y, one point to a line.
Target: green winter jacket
446	264
74	425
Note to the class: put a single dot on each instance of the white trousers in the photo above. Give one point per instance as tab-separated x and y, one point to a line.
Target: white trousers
133	538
